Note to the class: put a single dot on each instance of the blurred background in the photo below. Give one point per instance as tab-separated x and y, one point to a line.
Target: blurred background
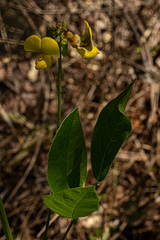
127	34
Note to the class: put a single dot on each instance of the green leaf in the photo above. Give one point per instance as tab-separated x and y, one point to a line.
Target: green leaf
111	130
67	162
74	202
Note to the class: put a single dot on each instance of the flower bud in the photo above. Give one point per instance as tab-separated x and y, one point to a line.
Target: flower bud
58	25
64	41
75	41
58	31
64	23
68	35
50	28
64	28
62	35
54	34
58	39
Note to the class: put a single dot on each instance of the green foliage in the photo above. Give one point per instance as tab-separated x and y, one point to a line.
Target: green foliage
74	202
67	162
111	130
4	222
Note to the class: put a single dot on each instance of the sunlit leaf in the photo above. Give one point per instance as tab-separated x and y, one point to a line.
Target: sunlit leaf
74	202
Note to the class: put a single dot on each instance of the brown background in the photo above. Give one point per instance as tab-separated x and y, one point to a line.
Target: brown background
127	34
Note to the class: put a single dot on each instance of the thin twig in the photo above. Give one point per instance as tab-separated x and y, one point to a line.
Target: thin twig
34	158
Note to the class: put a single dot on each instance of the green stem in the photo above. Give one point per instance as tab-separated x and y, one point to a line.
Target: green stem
4	221
47	225
97	184
69	227
59	85
59	119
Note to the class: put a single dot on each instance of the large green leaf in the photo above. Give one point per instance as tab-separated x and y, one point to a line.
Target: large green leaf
73	202
111	130
67	162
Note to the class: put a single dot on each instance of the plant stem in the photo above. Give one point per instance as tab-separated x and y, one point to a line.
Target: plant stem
4	221
47	225
69	227
59	112
59	120
59	85
97	184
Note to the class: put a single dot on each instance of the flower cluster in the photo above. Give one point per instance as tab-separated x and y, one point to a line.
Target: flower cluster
60	36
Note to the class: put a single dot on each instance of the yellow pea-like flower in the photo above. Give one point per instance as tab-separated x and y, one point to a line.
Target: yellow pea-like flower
86	48
43	61
47	47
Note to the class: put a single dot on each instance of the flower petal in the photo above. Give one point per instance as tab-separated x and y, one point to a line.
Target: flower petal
43	61
33	44
87	32
88	54
86	40
50	47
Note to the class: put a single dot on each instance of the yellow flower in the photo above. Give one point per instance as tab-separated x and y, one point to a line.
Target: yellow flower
46	47
86	48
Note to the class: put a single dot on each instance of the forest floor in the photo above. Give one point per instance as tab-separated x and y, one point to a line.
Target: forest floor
127	34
